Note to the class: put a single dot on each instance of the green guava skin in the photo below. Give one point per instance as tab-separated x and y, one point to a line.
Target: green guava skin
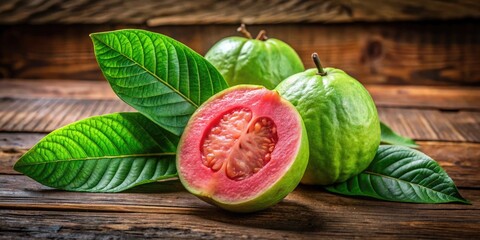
263	200
249	61
342	123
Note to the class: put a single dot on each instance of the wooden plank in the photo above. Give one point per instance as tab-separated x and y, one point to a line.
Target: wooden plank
19	140
8	158
13	146
214	224
303	224
18	192
54	88
438	97
460	160
308	212
178	12
433	125
46	115
32	112
440	53
162	194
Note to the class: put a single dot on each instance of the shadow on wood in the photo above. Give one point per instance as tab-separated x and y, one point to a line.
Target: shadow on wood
285	216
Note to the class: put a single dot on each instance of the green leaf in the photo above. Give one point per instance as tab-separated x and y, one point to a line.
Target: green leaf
393	138
157	75
402	174
108	153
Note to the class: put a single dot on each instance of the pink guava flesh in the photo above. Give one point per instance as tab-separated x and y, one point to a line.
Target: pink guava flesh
238	144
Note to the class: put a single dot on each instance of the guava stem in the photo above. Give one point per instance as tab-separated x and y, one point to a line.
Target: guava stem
262	35
243	29
316	60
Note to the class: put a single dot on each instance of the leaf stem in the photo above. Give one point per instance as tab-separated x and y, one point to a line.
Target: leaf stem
316	60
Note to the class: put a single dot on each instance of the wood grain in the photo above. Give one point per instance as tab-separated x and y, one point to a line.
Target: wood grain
424	53
426	97
306	223
53	88
29	109
410	96
307	212
460	160
422	124
8	158
161	196
47	114
181	12
385	44
13	146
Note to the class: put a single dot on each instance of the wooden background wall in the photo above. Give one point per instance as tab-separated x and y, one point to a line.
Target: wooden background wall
385	42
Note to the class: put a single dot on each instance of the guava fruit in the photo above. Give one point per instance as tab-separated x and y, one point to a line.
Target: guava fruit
261	61
341	120
243	150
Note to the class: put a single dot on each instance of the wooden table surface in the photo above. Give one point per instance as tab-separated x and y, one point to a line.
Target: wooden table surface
445	121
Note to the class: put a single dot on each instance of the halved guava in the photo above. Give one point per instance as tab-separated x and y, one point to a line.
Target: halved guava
243	150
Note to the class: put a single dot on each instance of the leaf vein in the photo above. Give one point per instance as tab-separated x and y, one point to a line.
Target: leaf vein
154	75
99	158
400	180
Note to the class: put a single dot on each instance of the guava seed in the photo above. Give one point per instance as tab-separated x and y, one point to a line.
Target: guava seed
239	144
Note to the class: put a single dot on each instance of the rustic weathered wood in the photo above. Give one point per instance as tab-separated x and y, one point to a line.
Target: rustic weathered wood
46	115
433	97
306	223
437	97
12	146
8	158
29	109
166	209
460	160
438	125
306	212
51	88
440	53
19	140
157	197
179	12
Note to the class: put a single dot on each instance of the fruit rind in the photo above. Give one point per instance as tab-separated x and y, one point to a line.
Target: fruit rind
250	61
342	123
280	189
277	190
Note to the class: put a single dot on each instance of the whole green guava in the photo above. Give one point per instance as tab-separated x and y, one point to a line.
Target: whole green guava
261	61
341	119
